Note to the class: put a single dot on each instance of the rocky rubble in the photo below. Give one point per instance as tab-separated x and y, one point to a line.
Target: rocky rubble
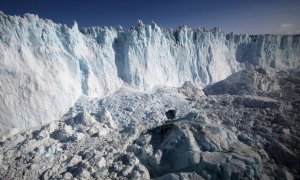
250	131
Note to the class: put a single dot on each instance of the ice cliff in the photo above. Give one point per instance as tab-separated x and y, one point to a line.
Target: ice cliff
45	67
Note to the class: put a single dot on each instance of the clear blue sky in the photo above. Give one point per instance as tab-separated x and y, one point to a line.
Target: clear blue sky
241	16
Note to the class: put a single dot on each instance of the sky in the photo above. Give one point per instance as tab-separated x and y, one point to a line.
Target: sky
240	16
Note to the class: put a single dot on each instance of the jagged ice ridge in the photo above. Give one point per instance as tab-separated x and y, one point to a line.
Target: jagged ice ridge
45	67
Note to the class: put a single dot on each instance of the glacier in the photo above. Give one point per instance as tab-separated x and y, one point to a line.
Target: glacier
45	67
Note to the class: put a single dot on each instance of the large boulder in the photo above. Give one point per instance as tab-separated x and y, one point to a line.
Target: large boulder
195	146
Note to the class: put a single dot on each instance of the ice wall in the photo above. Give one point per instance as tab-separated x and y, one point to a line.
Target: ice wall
45	67
147	55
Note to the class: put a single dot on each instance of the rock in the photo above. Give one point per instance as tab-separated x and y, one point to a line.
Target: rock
129	109
256	102
83	118
52	126
74	161
285	131
104	116
179	176
43	134
64	134
191	90
84	174
171	114
261	70
245	139
33	167
127	170
284	174
46	175
192	116
67	176
101	163
55	169
170	176
263	129
78	136
283	155
88	155
235	169
215	159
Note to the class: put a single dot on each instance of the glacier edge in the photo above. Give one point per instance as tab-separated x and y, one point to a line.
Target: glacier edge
45	67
